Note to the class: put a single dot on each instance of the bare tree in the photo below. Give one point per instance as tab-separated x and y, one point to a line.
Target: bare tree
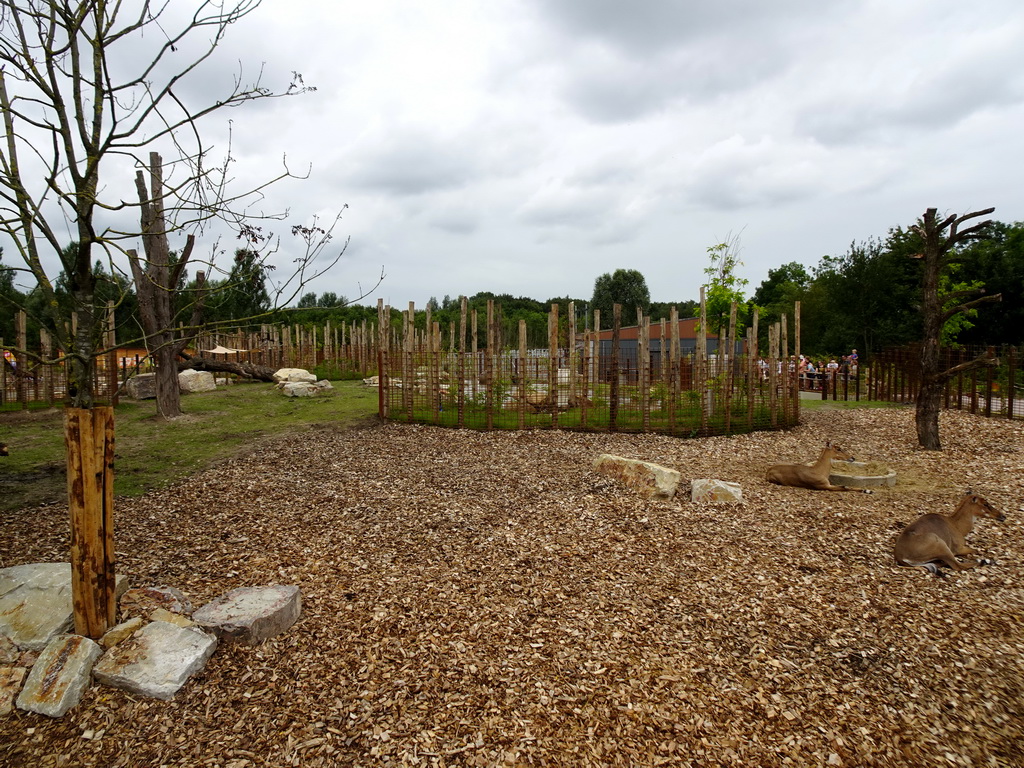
939	241
78	99
156	283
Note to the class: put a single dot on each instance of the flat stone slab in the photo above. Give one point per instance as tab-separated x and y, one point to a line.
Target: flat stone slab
250	615
157	660
60	676
649	479
35	603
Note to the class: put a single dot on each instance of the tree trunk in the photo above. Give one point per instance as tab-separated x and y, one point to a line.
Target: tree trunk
929	403
168	393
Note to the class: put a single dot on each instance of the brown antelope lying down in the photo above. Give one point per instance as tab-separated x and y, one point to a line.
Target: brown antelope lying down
935	538
814	476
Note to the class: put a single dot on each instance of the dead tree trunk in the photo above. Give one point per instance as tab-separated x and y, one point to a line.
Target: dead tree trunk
245	370
156	284
938	243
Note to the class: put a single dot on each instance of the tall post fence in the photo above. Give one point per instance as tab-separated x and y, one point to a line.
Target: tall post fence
592	380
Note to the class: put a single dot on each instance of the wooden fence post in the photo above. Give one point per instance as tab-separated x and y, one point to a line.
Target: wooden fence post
382	361
643	364
522	374
673	369
89	440
613	394
553	363
753	367
463	313
702	363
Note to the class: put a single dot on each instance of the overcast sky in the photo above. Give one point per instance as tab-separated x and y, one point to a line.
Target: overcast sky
528	146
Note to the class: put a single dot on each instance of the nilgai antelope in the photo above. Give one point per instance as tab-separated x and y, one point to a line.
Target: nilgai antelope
814	476
935	538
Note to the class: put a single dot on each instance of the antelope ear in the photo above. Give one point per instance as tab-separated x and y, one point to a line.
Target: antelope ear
968	492
828	443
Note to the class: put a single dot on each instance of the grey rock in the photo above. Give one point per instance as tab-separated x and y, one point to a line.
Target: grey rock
250	615
35	603
60	676
142	386
157	660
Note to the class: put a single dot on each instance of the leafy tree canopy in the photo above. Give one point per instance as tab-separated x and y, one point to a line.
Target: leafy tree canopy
623	286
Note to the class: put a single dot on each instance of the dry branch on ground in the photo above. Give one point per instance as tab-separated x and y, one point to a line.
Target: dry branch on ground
483	599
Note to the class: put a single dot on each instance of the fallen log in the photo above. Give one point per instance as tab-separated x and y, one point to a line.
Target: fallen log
245	370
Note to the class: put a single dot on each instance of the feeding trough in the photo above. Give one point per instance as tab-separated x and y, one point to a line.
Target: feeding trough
861	474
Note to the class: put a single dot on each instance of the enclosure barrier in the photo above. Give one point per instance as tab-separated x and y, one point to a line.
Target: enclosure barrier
587	380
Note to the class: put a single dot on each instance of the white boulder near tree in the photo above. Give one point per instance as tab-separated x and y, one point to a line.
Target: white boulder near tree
298	382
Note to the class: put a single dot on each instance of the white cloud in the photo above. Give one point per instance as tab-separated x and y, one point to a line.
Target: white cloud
526	148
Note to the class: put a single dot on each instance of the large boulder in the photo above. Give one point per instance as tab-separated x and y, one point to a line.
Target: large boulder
294	374
647	478
306	389
191	380
141	387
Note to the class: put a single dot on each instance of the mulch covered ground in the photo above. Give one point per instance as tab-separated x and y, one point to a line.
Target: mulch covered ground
488	600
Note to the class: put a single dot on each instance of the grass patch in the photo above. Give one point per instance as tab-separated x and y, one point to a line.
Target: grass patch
817	404
151	453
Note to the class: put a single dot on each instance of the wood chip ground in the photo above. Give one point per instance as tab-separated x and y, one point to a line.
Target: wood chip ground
486	599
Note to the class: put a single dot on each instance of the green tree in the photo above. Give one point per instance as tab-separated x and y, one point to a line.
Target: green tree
623	286
778	293
328	299
725	286
996	260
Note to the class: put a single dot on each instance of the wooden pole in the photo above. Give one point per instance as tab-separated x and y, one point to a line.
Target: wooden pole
643	349
89	441
613	395
382	361
553	363
702	363
522	374
463	314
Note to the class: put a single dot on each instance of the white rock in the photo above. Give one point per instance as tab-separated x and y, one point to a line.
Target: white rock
157	661
716	491
196	381
294	374
60	676
650	479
